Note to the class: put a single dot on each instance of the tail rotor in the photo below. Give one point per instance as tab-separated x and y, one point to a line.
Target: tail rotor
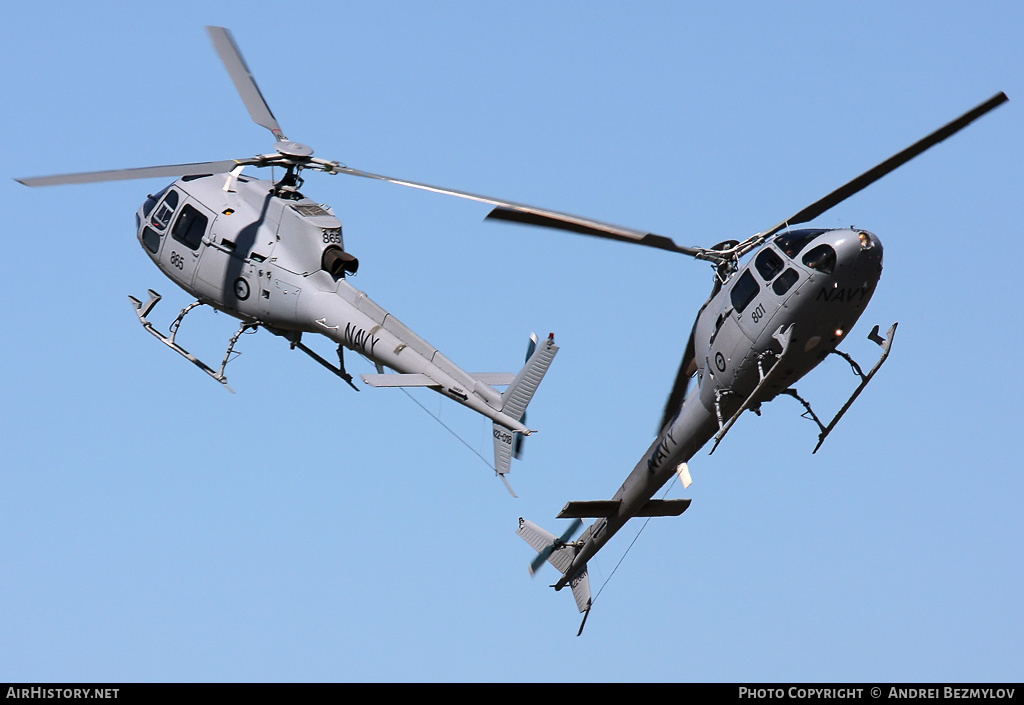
552	544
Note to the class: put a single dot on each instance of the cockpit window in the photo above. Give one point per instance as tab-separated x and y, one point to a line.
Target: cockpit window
744	291
822	258
166	209
190	227
792	241
151	239
152	200
785	281
768	264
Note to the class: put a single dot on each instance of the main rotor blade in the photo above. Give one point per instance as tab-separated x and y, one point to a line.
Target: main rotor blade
872	175
88	177
677	396
244	82
528	215
531	215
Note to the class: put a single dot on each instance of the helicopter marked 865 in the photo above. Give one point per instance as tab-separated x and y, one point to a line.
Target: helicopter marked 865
357	338
805	290
267	255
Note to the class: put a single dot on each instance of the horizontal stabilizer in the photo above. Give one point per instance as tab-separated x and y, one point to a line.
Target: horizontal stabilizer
596	509
664	508
397	380
605	508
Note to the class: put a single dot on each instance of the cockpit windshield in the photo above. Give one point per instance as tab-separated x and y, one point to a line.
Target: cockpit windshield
152	200
822	258
163	214
793	241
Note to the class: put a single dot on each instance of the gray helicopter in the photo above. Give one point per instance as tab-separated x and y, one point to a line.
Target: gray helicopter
267	255
767	324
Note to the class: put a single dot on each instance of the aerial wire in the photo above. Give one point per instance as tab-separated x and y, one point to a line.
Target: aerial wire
447	428
628	548
485	462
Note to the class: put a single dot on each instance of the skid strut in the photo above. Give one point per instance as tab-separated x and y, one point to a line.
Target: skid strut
767	377
296	342
143	310
886	344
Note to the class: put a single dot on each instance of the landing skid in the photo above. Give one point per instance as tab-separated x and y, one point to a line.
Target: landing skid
766	379
886	344
143	310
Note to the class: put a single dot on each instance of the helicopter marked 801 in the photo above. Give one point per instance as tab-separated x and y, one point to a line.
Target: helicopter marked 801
267	255
766	325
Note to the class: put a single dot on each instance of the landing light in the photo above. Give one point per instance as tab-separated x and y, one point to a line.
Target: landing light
839	332
865	240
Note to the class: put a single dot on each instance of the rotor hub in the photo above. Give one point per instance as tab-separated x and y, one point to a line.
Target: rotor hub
293	149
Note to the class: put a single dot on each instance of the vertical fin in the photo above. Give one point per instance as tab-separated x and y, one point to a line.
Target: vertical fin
504	442
518	395
516	398
581	589
517	448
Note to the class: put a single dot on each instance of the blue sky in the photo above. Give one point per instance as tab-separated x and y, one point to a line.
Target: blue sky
157	528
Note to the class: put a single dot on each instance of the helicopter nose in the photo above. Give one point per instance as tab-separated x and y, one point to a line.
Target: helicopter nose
870	248
868	241
847	253
857	248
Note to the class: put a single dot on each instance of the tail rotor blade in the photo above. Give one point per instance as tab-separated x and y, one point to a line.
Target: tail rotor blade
555	545
537	562
517	444
570	532
678	394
